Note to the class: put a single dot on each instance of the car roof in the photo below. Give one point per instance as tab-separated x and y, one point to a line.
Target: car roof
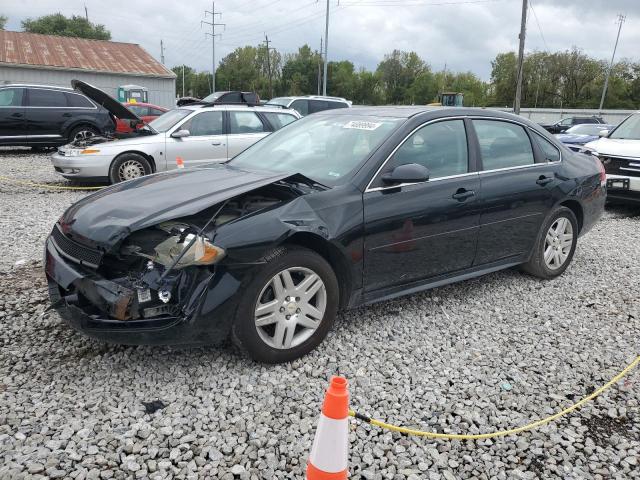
32	85
239	106
313	97
144	104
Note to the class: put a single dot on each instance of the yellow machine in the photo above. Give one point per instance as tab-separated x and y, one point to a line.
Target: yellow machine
448	99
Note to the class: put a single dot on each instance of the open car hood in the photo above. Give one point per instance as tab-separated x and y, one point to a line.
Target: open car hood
107	217
105	100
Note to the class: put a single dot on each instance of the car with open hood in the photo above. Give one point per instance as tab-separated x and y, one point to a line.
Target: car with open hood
197	134
339	209
619	152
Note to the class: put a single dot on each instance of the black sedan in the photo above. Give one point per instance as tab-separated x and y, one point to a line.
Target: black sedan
343	208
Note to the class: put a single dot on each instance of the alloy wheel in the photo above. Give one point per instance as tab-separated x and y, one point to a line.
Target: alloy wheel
290	307
558	243
130	169
83	135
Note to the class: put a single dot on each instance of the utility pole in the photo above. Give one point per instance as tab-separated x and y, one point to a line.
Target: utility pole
523	33
86	13
621	19
213	34
326	52
183	79
161	52
320	67
266	41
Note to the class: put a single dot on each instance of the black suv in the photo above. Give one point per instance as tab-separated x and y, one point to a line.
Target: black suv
567	123
46	116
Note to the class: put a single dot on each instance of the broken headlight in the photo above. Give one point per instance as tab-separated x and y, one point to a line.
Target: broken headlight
200	252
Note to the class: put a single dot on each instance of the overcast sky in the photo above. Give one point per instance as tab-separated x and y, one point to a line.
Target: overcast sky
464	34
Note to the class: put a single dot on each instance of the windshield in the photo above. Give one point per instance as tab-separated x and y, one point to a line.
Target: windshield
169	119
325	148
279	101
629	129
213	97
586	129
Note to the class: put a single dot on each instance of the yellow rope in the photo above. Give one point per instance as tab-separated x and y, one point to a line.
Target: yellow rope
44	185
481	436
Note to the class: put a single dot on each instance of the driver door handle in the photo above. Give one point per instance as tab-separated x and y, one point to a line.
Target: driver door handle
217	144
462	194
542	181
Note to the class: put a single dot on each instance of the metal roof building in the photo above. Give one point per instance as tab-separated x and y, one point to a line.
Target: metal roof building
54	60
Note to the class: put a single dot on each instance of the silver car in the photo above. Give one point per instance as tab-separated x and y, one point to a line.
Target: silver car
188	136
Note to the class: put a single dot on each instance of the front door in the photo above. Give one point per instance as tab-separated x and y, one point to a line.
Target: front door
12	116
420	231
516	190
47	112
206	142
245	129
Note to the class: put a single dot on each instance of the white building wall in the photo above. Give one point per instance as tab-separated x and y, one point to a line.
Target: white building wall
161	90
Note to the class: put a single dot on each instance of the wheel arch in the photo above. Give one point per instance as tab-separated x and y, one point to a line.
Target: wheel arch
332	255
577	210
82	123
148	157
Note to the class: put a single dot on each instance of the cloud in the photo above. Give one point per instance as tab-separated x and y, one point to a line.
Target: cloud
466	36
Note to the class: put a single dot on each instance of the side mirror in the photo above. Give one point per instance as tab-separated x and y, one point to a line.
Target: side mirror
407	173
603	133
180	133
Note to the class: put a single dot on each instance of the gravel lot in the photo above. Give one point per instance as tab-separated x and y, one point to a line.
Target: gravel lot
490	353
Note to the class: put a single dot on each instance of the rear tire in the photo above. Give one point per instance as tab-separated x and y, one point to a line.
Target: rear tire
555	245
129	166
279	322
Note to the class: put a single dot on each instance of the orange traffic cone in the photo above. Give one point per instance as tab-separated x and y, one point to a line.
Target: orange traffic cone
330	450
179	162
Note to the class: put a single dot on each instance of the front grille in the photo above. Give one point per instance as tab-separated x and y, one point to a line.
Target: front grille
74	250
628	167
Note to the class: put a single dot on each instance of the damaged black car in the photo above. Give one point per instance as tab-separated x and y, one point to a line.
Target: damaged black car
340	209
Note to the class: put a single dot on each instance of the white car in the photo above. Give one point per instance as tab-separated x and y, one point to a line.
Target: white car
619	151
190	135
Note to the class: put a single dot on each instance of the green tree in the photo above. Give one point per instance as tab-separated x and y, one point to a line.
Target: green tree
368	89
58	24
189	76
397	73
341	79
300	72
3	21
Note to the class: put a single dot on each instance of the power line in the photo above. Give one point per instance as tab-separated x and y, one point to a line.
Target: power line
539	27
213	34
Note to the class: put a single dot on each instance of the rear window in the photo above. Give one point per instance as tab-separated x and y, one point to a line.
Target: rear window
40	97
11	97
78	101
279	120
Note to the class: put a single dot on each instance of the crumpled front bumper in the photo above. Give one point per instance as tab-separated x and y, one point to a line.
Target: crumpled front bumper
96	306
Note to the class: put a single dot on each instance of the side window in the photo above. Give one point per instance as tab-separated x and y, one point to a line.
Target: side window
245	122
231	97
279	120
318	106
302	106
11	97
78	101
440	147
551	152
205	123
39	97
332	105
503	144
567	122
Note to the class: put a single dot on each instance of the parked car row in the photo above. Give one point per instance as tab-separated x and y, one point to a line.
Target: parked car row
568	122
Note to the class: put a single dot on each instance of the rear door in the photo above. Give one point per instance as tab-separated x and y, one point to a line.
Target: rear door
206	142
12	116
300	105
47	112
278	120
245	129
517	182
420	231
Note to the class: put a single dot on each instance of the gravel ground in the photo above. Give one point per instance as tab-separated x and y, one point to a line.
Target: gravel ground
486	354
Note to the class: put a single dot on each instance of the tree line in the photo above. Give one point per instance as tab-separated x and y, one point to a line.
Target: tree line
567	79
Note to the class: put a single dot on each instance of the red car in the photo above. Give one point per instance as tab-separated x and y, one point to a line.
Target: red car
145	111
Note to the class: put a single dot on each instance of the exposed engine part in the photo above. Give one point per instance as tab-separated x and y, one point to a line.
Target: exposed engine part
164	296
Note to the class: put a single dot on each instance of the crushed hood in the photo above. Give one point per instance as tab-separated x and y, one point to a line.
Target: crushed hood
105	218
105	100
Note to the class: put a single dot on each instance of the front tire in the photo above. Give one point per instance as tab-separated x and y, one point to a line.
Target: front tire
291	304
128	166
555	245
83	132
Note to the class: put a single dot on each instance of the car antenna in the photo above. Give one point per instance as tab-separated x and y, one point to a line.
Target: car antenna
186	249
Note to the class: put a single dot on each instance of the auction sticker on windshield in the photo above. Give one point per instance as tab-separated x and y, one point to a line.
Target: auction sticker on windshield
361	125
